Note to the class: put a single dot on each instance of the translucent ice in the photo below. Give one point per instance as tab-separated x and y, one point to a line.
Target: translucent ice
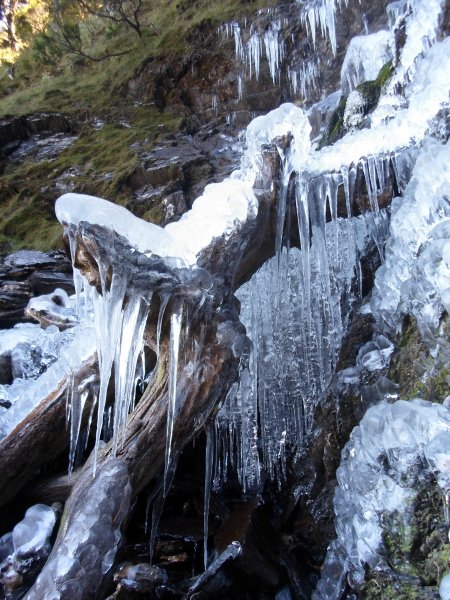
415	274
395	447
364	58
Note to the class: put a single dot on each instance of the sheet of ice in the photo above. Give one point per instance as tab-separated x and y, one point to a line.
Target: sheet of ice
218	211
365	56
74	347
416	275
221	209
21	333
394	448
147	238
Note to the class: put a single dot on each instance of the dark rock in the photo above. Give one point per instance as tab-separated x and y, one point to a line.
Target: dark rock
18	129
137	581
25	274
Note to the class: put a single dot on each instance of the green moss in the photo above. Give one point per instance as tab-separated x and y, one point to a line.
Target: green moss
335	125
416	550
370	91
384	586
417	373
385	74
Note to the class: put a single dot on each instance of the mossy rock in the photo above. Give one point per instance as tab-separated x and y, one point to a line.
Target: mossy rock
387	586
336	125
418	374
416	550
370	91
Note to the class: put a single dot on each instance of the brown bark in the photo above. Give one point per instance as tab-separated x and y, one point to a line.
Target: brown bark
41	436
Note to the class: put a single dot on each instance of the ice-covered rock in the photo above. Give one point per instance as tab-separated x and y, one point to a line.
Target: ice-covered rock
29	546
46	359
395	448
364	58
53	309
415	277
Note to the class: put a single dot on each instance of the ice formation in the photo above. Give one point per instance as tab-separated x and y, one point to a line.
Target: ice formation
415	276
292	312
86	552
226	206
395	448
364	58
295	308
28	545
41	360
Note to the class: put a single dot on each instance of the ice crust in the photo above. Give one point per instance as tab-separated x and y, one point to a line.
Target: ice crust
364	58
86	552
415	277
26	547
395	448
42	358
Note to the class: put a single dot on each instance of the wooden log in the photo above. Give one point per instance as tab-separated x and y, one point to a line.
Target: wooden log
41	436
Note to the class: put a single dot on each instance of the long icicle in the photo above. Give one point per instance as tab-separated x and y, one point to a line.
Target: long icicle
175	331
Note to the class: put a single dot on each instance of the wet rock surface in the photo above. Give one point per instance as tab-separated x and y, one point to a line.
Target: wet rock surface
26	274
18	135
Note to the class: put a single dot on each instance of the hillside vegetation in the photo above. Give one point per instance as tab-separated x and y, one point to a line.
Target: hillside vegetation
79	64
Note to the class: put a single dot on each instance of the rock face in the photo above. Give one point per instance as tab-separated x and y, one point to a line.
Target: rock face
26	274
16	130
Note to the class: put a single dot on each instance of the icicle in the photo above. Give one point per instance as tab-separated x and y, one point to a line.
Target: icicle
175	331
240	87
303	221
164	299
78	399
254	54
126	359
274	49
209	459
108	317
91	416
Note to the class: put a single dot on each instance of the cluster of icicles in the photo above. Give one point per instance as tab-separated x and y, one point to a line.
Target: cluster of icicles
316	15
292	308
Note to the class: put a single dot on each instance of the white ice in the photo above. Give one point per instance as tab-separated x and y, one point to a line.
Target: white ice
412	439
365	56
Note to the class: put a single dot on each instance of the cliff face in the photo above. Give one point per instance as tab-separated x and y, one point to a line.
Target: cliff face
174	124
